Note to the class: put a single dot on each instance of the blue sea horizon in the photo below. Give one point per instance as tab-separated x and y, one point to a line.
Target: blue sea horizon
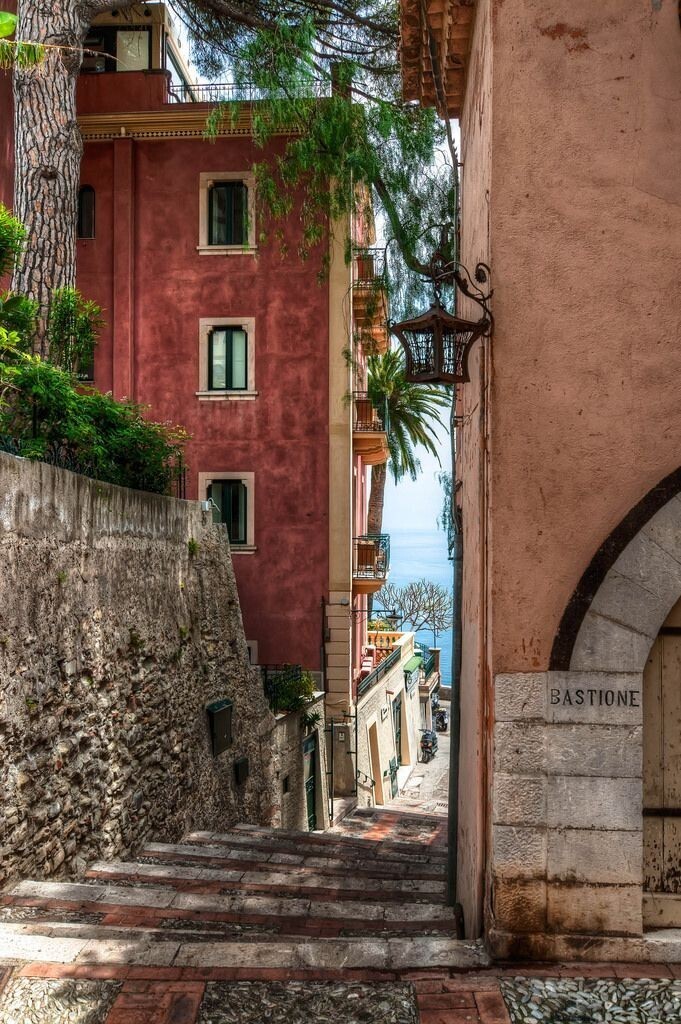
422	554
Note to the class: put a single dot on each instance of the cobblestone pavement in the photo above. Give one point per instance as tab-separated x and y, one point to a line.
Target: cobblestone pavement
427	787
46	993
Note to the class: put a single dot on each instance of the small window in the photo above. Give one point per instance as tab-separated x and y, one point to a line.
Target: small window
231	500
227	359
227	213
86	212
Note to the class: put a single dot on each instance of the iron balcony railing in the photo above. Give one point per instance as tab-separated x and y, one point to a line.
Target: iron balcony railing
280	682
371	556
369	267
381	670
368	415
246	92
427	658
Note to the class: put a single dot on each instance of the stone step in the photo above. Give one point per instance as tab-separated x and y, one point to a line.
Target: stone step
156	924
316	954
199	879
331	844
245	857
168	898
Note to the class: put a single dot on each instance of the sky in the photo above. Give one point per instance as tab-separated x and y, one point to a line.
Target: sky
417	504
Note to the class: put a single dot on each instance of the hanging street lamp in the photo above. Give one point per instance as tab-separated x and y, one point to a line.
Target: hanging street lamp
437	343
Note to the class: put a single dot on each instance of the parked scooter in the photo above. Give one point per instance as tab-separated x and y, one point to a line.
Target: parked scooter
428	745
441	720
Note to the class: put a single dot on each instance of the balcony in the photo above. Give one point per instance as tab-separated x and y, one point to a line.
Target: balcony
369	429
370	299
370	562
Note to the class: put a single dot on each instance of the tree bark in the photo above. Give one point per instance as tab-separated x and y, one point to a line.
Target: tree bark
376	498
48	150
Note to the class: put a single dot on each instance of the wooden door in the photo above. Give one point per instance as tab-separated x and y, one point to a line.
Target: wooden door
375	761
662	763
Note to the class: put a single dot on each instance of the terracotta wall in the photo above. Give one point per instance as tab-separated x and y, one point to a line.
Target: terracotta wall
145	271
476	134
586	217
571	187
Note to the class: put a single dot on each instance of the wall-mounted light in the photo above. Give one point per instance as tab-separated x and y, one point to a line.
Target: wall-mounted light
437	343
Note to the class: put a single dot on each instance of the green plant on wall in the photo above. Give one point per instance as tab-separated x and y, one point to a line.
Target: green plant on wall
73	326
289	688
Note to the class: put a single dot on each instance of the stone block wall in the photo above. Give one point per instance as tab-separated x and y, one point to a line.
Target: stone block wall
119	623
567	841
287	764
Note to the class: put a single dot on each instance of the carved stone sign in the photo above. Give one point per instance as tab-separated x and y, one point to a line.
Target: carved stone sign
594	697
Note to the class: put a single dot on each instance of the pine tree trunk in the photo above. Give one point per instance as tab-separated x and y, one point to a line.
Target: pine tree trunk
48	150
376	498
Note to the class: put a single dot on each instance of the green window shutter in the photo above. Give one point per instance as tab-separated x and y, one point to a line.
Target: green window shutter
227	359
231	498
227	213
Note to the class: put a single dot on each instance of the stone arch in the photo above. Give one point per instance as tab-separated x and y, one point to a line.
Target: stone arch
628	589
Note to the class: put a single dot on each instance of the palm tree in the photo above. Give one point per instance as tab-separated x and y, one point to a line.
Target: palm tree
412	416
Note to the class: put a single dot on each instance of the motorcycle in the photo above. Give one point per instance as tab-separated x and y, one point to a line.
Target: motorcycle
428	745
441	720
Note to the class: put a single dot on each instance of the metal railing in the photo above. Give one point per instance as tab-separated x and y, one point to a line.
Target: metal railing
371	556
369	267
246	92
364	685
367	415
279	682
427	658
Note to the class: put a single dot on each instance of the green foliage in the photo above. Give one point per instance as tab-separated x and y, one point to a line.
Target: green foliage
73	327
289	688
45	413
309	719
13	53
12	235
331	82
49	416
413	411
193	547
8	24
17	313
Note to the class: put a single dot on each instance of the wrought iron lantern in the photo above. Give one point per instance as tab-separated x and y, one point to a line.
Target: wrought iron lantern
437	343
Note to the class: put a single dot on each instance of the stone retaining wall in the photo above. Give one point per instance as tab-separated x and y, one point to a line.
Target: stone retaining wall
119	623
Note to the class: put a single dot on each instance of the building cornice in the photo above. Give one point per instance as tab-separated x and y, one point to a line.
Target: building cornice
175	122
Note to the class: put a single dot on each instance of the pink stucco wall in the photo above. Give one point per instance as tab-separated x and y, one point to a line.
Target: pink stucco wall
571	148
143	268
585	226
473	467
154	286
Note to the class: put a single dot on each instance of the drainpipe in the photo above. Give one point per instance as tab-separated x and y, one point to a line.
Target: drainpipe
455	708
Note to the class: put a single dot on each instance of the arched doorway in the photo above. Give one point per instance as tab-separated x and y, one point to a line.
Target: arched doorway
662	777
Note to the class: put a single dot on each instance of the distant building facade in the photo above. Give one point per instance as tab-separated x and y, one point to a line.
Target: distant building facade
568	452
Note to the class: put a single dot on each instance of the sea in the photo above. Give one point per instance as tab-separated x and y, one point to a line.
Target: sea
422	554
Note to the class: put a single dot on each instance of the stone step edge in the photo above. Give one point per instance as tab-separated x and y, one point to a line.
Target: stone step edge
207	883
390	953
281	841
166	898
186	851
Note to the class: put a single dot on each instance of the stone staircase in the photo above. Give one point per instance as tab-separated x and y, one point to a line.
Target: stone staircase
248	898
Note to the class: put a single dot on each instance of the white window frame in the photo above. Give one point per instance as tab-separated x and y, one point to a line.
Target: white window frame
248	480
206	180
206	325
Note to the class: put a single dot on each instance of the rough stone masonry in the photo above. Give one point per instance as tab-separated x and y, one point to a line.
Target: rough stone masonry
119	623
